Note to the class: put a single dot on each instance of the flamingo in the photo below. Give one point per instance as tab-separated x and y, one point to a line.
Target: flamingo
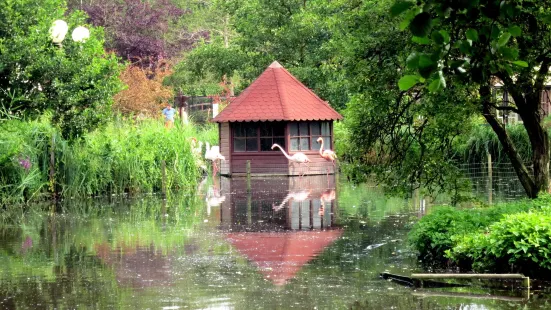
295	196
213	154
327	154
299	157
196	151
194	148
213	198
327	196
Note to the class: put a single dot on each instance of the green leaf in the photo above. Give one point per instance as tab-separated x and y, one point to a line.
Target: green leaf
435	86
420	40
508	52
465	47
445	35
515	31
408	81
495	32
437	38
426	65
520	63
503	39
472	35
404	24
420	25
413	60
399	7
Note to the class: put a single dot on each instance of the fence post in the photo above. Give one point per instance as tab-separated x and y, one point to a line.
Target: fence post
52	168
163	173
490	183
248	175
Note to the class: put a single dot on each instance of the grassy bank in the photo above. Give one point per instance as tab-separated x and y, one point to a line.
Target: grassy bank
124	157
509	237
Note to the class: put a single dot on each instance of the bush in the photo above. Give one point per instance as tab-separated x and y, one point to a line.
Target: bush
440	230
517	243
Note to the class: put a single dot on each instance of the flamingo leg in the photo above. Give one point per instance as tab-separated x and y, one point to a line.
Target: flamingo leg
214	168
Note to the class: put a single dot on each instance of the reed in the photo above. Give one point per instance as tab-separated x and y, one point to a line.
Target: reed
122	158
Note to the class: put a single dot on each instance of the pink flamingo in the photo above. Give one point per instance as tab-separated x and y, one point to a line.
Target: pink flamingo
327	154
213	154
299	157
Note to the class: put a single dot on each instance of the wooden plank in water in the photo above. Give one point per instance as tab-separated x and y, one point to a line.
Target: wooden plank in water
493	276
470	296
467	276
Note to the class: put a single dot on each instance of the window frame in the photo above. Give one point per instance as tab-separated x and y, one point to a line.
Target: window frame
311	145
258	136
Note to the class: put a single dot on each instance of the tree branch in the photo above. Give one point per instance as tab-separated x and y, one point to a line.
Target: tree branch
507	108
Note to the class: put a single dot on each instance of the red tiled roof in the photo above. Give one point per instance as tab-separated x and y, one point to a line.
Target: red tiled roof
276	95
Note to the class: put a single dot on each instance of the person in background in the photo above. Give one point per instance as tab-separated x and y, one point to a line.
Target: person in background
169	113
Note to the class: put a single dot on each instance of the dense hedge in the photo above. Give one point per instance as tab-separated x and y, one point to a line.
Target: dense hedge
507	237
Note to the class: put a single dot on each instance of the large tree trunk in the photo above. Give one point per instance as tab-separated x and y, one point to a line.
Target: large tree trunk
528	183
539	140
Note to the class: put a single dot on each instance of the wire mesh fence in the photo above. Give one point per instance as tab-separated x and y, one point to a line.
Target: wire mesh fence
489	181
497	181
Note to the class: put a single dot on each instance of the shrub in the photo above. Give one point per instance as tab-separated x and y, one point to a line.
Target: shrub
440	230
517	243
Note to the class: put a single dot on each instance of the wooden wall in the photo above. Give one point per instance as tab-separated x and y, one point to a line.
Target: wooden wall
225	147
268	163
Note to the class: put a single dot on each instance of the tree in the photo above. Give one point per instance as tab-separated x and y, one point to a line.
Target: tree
291	32
141	31
145	92
75	81
477	42
405	139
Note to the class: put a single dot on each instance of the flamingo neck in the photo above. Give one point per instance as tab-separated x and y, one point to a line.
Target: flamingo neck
283	151
321	147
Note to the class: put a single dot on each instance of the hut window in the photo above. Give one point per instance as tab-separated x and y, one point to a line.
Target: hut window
245	137
255	137
271	133
304	135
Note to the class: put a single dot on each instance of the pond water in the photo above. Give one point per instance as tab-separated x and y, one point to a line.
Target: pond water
288	243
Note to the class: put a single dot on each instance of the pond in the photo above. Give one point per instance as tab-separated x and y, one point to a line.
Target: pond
287	243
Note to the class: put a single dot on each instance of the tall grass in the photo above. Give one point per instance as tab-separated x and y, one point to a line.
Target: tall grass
124	157
475	147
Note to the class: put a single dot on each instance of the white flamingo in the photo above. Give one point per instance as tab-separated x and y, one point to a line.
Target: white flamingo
298	157
295	196
213	154
213	199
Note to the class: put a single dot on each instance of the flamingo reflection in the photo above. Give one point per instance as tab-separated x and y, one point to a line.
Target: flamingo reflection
297	196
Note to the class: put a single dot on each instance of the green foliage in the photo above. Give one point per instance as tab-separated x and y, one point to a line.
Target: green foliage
77	80
516	243
474	146
124	157
440	231
487	37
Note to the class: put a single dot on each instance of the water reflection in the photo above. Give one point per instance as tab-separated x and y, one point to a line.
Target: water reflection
285	243
282	224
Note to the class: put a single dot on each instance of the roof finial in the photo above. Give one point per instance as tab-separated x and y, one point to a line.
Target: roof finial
275	64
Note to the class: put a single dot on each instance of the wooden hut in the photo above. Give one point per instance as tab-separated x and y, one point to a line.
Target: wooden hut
275	108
